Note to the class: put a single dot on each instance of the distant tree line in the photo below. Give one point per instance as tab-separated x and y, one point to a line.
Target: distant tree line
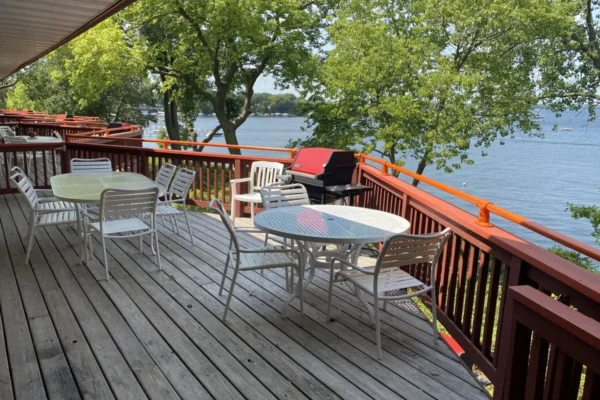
266	104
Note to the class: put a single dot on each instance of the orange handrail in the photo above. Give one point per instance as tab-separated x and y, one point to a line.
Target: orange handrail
168	142
486	207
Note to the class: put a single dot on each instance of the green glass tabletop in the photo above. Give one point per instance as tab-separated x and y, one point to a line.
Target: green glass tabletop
88	187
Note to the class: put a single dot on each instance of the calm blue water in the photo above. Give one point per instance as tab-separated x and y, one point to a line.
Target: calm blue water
534	177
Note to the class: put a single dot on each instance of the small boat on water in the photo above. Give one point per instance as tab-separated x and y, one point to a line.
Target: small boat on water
216	134
565	129
538	117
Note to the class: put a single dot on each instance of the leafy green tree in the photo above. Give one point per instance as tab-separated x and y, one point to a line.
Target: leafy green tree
575	257
430	79
214	51
95	74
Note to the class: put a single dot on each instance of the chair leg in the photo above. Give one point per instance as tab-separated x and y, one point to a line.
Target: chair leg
141	245
31	236
384	305
232	211
224	273
233	279
252	212
187	221
105	257
330	294
176	223
157	249
434	316
377	328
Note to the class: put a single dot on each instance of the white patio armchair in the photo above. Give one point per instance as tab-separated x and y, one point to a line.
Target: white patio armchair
386	281
252	259
262	173
178	194
45	211
122	215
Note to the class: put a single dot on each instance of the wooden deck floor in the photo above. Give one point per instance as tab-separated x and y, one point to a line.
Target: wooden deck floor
67	333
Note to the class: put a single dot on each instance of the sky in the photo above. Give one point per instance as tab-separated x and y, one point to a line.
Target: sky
266	84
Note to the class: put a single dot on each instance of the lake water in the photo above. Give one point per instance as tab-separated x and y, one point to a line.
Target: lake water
534	177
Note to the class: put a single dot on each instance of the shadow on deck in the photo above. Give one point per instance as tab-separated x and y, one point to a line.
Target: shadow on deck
68	333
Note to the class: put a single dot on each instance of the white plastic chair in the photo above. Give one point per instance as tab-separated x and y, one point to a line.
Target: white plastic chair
252	259
6	131
385	280
45	211
262	173
178	194
117	218
90	165
165	175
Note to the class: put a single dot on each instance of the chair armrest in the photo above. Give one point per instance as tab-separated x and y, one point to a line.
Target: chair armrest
349	264
234	181
46	199
182	200
296	252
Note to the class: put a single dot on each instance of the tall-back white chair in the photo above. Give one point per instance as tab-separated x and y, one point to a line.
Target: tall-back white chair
284	195
386	281
22	156
90	165
122	215
45	211
252	259
165	175
262	173
178	194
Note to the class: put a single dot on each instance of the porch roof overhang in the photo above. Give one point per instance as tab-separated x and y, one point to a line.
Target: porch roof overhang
30	29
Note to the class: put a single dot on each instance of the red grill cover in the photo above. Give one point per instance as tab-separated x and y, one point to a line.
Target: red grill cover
311	160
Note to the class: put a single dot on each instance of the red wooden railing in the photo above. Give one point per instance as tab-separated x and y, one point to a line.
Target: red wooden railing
474	276
39	161
551	350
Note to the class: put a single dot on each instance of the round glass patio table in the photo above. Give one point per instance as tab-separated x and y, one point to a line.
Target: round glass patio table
329	224
87	188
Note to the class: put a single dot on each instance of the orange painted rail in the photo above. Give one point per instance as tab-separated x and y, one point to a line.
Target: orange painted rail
167	143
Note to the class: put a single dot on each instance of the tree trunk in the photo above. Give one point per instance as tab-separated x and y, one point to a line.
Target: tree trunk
171	121
421	167
231	138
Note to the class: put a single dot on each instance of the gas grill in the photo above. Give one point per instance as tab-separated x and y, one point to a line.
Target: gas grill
320	169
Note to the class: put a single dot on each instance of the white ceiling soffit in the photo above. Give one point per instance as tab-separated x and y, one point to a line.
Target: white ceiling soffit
30	29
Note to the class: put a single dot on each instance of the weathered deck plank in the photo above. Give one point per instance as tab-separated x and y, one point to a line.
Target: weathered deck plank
163	333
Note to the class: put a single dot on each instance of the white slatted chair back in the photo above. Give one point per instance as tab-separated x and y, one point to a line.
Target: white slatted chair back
263	173
24	186
165	175
216	205
58	135
281	195
403	249
15	139
90	165
124	203
180	186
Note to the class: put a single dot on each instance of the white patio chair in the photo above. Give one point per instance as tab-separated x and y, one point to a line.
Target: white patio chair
252	259
6	131
262	173
90	165
117	218
178	194
45	211
386	281
165	175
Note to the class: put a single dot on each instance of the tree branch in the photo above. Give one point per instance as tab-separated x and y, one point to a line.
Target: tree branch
9	85
208	137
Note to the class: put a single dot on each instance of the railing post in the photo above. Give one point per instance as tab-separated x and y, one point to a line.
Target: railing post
384	168
484	214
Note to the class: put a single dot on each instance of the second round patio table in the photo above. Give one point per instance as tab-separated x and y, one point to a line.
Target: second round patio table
329	224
